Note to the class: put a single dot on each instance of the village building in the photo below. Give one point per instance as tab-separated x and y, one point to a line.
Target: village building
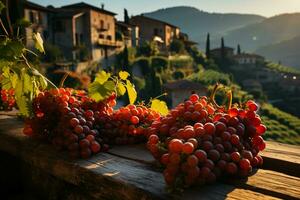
217	52
129	34
248	59
38	16
179	91
155	30
83	27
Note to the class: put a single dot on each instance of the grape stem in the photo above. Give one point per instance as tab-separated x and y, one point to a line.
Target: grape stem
62	81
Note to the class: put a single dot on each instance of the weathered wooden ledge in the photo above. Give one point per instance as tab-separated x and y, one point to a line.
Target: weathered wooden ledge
126	172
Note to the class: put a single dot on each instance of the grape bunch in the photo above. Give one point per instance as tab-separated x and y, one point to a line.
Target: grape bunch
199	141
128	124
66	118
7	100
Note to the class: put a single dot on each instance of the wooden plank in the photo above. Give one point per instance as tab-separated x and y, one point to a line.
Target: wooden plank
224	191
283	155
124	176
270	183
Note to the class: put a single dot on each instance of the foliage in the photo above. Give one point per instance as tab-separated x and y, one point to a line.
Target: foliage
280	132
148	49
282	69
284	118
16	71
159	63
159	106
178	75
53	53
181	62
105	84
210	77
144	64
177	46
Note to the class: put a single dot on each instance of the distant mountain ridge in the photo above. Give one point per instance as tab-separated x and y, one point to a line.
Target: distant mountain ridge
269	31
276	38
198	23
287	52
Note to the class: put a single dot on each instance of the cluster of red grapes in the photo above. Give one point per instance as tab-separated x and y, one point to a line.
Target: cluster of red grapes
67	118
127	125
197	142
7	100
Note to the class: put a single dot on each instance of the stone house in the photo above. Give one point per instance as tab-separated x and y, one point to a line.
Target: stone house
81	25
180	90
248	59
38	16
152	29
217	52
129	33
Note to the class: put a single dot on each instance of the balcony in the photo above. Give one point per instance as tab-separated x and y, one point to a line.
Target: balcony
105	42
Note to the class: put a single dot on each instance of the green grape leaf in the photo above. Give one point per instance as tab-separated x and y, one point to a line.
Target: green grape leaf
2	6
6	83
102	77
99	91
21	99
28	83
14	80
42	82
121	89
39	43
132	95
15	49
159	106
123	75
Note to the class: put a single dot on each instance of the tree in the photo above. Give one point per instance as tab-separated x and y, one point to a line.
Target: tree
207	46
222	49
125	60
238	49
126	17
177	46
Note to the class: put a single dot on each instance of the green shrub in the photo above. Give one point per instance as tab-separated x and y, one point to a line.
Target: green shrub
144	64
53	53
148	49
181	62
178	75
159	63
177	46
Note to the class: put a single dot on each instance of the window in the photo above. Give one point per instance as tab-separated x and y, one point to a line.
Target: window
102	24
109	37
33	17
101	36
155	31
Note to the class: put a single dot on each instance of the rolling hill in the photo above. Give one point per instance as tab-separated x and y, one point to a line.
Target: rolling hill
270	31
198	23
287	52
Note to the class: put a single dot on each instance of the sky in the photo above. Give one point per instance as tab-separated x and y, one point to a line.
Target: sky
266	8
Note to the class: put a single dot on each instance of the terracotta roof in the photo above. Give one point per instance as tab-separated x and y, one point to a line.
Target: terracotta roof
184	85
85	5
156	20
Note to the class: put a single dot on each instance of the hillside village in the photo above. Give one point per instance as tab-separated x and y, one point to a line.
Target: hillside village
82	38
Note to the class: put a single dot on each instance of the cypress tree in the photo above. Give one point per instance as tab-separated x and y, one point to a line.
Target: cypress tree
238	49
126	17
207	46
222	48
